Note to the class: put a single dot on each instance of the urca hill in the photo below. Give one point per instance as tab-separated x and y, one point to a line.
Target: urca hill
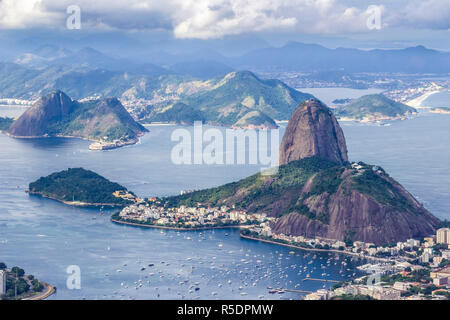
317	192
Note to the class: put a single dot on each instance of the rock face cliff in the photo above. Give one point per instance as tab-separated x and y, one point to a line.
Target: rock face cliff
46	111
313	131
56	114
363	204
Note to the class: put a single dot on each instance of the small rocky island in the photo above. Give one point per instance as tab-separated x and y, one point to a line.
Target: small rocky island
106	121
80	187
373	107
16	285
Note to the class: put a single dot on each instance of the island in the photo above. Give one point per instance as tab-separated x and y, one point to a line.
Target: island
373	107
104	121
443	110
81	187
16	285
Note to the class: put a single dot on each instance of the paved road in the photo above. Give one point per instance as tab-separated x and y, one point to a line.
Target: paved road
48	291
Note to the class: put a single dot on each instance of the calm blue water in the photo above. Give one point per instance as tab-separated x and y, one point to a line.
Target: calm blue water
440	99
45	237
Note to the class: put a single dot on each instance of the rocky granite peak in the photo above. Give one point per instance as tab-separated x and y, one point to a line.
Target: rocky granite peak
47	110
313	131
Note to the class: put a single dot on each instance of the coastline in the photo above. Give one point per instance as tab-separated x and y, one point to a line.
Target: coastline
417	102
117	145
375	119
314	249
77	203
171	228
232	127
439	111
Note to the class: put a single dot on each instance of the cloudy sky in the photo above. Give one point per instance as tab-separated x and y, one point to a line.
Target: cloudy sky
213	19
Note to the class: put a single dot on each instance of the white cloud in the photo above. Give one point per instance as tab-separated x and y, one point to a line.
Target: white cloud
17	14
432	14
217	18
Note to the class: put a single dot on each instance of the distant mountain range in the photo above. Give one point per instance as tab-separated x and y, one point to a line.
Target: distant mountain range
294	56
297	56
208	89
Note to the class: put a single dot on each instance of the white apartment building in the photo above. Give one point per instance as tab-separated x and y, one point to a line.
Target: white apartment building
2	282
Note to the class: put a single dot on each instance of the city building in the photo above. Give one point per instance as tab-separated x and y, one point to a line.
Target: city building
441	273
2	282
443	236
440	281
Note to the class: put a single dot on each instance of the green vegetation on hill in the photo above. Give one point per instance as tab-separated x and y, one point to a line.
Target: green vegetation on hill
381	190
5	123
307	187
179	113
222	100
78	185
261	191
255	118
87	120
373	106
18	282
268	96
239	99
